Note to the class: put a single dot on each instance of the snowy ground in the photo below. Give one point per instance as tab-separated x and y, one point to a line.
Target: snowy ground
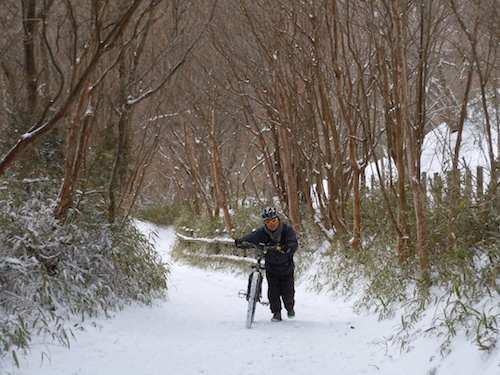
201	330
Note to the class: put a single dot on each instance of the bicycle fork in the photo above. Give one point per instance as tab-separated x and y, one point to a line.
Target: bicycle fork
246	294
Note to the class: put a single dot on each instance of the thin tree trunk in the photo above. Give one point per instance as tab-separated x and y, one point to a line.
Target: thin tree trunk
478	60
402	89
78	133
455	172
219	184
291	182
119	166
29	23
337	39
395	147
283	151
194	173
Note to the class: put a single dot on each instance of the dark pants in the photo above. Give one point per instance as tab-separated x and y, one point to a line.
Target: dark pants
280	287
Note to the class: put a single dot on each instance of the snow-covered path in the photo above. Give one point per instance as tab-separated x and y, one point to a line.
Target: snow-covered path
201	330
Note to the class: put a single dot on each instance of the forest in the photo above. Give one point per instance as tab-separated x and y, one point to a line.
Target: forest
197	113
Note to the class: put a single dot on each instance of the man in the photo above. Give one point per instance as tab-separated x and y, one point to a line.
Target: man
281	243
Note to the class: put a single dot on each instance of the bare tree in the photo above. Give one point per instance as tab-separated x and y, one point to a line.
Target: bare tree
48	122
404	122
483	51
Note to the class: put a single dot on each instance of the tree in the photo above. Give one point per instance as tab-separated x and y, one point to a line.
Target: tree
51	119
404	121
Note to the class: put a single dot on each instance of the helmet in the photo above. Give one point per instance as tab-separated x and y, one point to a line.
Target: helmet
269	213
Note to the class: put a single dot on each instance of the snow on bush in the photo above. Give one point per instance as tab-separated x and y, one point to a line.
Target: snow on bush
51	271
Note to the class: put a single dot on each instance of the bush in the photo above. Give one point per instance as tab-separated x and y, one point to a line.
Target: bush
461	295
160	215
51	271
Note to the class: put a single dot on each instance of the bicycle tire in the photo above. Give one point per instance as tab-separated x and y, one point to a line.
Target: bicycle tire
253	298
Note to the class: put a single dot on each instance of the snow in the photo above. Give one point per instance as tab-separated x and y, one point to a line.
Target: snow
437	152
438	149
26	136
200	329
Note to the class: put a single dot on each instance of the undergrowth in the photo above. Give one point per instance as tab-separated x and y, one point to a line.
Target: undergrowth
462	293
53	272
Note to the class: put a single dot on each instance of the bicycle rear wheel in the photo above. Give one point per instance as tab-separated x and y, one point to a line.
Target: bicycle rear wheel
253	297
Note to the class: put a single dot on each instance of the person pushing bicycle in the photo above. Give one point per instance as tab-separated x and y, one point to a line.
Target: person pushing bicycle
281	243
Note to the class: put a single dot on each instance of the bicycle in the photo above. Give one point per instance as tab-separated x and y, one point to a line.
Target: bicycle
254	288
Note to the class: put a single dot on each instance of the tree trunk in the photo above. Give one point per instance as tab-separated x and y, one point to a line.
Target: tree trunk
78	133
479	59
29	23
282	147
395	149
291	182
356	206
219	185
120	162
401	79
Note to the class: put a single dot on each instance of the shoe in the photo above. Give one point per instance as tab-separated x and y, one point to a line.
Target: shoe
291	314
276	317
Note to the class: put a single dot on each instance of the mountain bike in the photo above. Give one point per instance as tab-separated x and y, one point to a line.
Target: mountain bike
253	293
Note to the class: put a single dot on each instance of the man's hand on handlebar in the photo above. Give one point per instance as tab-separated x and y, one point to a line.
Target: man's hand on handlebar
244	244
248	245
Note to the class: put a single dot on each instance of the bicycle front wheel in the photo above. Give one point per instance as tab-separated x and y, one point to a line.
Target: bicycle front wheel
253	298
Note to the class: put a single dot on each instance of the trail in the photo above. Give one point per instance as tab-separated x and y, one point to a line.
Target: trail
201	330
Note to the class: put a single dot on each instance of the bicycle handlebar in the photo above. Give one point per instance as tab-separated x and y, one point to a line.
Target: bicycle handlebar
262	247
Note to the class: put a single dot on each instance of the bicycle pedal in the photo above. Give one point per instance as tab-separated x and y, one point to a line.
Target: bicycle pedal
242	294
265	303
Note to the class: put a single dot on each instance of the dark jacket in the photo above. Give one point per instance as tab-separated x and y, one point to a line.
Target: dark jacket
277	262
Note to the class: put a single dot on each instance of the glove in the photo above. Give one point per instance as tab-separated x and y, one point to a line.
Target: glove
283	249
274	248
241	244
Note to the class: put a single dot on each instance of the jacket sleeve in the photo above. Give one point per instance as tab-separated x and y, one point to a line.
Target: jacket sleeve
289	240
255	237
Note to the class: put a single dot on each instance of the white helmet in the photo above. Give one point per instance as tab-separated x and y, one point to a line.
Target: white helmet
269	213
